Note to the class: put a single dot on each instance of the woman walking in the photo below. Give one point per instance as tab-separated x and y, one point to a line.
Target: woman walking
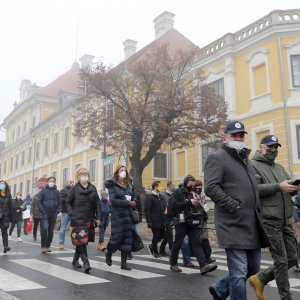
121	198
17	208
83	208
5	212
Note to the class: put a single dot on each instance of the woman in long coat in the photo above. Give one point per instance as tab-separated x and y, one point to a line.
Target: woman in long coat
121	198
83	208
5	212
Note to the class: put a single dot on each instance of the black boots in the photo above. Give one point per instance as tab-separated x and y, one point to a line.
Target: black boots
5	241
108	259
124	265
84	257
75	262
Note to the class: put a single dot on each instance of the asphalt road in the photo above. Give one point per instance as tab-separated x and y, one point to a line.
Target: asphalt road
26	273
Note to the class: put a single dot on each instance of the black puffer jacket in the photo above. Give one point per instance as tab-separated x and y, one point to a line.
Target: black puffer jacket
63	195
48	200
83	205
154	210
6	207
121	223
34	209
16	205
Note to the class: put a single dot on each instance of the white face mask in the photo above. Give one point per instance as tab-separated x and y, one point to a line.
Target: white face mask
238	145
122	174
84	178
51	184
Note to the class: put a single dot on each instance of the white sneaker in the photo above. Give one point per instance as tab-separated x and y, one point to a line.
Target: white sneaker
9	238
19	239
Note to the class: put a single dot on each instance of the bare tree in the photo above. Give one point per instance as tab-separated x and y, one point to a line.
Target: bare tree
137	107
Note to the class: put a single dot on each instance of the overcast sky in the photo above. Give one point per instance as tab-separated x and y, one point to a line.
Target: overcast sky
38	37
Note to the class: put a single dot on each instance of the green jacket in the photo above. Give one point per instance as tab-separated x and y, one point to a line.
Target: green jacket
276	205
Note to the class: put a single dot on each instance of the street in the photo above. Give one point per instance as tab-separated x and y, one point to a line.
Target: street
25	273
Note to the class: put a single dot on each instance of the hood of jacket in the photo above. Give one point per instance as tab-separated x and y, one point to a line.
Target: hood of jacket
260	157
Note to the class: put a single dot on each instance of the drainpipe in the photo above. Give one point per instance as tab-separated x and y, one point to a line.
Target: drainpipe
286	115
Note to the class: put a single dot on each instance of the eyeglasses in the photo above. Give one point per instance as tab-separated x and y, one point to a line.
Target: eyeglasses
275	146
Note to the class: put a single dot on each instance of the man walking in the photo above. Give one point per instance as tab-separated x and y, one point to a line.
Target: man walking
275	190
231	185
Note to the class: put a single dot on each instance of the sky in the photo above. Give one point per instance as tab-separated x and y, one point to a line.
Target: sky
38	37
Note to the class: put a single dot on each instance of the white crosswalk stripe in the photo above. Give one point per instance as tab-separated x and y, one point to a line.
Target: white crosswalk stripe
10	282
137	274
59	272
12	253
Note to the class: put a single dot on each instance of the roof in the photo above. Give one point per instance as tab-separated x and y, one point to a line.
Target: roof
67	81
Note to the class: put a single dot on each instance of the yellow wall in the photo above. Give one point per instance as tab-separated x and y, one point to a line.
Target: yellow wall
260	80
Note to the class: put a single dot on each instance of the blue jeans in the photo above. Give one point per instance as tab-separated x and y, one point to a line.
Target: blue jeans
64	221
241	265
186	250
47	227
12	226
135	227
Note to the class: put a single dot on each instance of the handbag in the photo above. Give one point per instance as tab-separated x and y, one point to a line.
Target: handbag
79	236
137	243
91	231
28	228
135	216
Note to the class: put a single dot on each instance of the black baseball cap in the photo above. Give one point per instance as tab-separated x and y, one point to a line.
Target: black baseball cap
270	140
234	127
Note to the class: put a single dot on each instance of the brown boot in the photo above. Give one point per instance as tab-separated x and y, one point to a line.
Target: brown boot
101	247
258	286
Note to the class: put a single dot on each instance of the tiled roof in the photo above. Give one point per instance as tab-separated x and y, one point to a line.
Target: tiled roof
67	81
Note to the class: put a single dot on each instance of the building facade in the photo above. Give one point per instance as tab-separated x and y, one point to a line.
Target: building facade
256	69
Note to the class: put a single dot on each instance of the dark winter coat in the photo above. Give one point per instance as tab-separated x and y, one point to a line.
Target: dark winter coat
34	209
276	205
297	208
6	207
16	205
63	195
230	183
121	223
48	201
83	205
154	211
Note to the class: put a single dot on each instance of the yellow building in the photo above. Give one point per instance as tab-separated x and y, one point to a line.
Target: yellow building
256	69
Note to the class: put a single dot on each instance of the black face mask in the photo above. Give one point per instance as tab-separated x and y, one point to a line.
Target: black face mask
198	190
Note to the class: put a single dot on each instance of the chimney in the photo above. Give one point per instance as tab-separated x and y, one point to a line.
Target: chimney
86	60
129	48
163	23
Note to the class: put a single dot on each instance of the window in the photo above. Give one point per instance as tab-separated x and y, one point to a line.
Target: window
160	165
77	166
55	142
17	161
33	121
24	127
92	170
78	139
217	87
29	154
5	166
23	158
11	163
67	137
295	65
260	80
108	171
14	190
13	135
65	175
54	174
206	150
37	150
298	139
19	130
21	189
27	186
46	148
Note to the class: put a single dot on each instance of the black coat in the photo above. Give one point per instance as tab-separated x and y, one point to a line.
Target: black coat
48	200
83	205
154	211
16	205
230	183
6	207
63	195
34	209
121	223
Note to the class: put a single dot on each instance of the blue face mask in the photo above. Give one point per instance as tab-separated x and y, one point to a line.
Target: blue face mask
2	186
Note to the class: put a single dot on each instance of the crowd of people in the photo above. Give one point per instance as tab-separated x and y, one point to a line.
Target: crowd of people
252	203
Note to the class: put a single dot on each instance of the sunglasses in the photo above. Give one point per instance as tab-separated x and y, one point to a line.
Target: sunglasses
238	134
275	146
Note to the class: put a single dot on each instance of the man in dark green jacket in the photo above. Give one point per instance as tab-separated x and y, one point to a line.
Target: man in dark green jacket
275	190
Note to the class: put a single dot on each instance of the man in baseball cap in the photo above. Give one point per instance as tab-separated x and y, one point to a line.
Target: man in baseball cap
235	127
275	190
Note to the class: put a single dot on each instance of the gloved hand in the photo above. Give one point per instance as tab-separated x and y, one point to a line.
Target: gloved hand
132	204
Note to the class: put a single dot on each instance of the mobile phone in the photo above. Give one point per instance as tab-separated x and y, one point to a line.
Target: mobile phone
296	182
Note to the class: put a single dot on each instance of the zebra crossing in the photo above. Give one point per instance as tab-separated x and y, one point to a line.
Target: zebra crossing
144	267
